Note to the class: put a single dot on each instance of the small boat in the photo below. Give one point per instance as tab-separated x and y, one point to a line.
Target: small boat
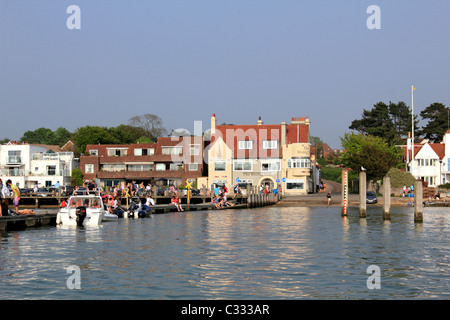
82	210
110	217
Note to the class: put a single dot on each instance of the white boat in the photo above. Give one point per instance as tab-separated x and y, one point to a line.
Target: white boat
110	217
82	210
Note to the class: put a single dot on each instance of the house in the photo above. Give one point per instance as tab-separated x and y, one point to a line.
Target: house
28	165
170	161
431	161
269	155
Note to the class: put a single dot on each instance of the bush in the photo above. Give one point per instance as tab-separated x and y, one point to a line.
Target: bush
400	178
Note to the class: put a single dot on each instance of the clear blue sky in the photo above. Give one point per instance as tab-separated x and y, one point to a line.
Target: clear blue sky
184	60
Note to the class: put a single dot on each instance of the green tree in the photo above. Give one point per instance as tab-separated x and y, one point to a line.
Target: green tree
437	115
391	122
127	134
93	135
76	179
373	153
62	135
39	136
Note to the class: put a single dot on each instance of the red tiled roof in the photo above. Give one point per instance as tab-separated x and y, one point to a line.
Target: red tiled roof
231	134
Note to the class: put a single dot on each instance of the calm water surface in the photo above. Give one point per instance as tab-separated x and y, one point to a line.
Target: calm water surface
266	253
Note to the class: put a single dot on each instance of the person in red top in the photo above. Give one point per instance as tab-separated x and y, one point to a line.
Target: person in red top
176	202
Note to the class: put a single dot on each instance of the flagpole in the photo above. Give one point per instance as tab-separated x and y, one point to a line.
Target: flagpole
412	129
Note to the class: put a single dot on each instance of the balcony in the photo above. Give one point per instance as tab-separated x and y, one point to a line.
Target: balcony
14	172
14	160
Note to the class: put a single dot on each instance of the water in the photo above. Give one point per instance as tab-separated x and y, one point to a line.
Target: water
266	253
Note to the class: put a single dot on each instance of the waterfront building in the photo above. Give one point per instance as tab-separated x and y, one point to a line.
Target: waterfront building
28	165
172	161
431	161
264	155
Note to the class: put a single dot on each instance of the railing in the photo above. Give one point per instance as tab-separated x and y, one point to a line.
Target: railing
23	173
12	172
14	159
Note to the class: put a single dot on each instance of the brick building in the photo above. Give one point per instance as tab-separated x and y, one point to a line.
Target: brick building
170	161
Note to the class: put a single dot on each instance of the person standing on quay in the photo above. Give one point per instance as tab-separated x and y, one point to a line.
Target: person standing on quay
16	193
329	197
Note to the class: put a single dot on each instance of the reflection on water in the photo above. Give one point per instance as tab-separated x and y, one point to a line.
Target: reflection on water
266	253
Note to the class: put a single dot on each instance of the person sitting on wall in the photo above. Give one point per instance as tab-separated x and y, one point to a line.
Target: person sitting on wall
176	202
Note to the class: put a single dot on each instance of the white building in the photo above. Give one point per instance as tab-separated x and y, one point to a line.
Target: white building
432	162
28	165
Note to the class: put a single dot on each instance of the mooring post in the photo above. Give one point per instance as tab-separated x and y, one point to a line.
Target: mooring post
362	195
344	193
386	198
418	201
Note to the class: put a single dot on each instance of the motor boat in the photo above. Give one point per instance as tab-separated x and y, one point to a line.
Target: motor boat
82	210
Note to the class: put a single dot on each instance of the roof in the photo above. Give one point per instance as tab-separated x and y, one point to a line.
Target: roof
258	134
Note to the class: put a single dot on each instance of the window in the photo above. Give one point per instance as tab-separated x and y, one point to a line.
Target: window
89	168
242	165
93	152
51	170
14	156
171	150
193	166
219	165
176	166
270	144
194	149
118	152
140	167
144	152
113	167
160	167
245	145
295	184
270	165
299	163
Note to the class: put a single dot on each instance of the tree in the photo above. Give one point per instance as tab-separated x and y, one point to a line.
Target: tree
39	136
93	135
127	134
317	143
76	179
151	124
391	122
438	121
62	135
373	153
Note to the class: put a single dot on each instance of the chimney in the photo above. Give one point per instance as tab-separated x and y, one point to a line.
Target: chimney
260	121
283	134
213	123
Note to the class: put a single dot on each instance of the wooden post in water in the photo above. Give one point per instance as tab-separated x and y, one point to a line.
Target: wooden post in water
418	201
386	198
344	193
362	195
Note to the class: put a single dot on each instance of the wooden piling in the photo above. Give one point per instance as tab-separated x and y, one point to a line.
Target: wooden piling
418	201
386	198
362	195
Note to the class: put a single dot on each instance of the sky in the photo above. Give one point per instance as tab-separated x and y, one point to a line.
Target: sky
184	60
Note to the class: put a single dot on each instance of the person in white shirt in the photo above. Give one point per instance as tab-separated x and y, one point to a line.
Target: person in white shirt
150	201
